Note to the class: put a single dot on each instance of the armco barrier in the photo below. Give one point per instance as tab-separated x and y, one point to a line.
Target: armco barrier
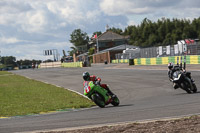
72	64
190	59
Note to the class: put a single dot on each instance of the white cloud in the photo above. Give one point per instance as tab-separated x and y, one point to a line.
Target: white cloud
67	10
122	7
45	24
136	7
33	50
151	9
34	21
10	40
93	16
132	22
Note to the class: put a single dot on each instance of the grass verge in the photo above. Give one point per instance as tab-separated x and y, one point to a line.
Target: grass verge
22	96
4	73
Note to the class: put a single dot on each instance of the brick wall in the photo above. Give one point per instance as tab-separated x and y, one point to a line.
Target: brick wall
101	58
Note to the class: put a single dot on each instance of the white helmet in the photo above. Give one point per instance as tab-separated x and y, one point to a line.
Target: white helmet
170	65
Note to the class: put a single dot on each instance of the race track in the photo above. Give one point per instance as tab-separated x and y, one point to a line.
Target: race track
144	94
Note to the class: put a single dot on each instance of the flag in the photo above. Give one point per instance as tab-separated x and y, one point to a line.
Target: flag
95	36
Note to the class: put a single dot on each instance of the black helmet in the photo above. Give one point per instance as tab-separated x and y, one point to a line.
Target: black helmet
86	76
170	65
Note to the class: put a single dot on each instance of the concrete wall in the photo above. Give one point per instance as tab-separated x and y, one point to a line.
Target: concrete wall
72	64
50	64
59	64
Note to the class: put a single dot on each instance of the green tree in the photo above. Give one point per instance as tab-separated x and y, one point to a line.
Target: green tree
8	60
27	62
79	38
168	39
133	32
91	52
116	30
74	50
80	41
162	32
152	40
196	27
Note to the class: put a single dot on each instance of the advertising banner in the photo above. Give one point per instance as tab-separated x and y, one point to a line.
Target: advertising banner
176	49
168	50
160	50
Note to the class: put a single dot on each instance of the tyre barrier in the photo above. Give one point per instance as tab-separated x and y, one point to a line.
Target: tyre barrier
120	61
190	59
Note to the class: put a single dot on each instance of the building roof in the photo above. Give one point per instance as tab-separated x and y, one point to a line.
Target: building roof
120	47
111	36
84	54
117	48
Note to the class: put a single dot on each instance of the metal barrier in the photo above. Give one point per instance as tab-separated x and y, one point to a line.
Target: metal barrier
161	51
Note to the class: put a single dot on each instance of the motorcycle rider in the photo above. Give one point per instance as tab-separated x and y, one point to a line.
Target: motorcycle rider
96	81
171	70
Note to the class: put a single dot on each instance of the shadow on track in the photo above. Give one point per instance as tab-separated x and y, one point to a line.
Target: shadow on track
185	93
121	105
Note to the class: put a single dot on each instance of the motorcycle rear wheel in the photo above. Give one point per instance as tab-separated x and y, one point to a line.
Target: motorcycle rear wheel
115	101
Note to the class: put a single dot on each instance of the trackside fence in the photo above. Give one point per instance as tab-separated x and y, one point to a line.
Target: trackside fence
59	64
161	51
190	59
120	61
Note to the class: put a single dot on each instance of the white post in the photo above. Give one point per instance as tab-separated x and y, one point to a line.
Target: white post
97	46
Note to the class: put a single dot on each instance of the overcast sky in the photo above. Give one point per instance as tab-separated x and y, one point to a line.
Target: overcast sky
27	27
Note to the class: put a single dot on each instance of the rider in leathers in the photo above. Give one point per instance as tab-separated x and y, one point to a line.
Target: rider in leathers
171	70
96	80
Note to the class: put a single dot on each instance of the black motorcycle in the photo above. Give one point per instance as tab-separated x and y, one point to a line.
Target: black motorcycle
182	78
184	81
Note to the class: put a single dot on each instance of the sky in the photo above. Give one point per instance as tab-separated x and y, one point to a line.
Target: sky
28	27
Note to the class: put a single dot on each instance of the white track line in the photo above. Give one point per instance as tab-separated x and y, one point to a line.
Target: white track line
110	124
115	124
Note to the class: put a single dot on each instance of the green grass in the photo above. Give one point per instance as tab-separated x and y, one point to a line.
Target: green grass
22	96
4	73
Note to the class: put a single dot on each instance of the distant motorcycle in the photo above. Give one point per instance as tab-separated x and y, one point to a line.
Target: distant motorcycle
99	95
184	81
181	78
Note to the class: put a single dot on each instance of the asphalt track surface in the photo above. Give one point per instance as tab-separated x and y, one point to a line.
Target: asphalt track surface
144	94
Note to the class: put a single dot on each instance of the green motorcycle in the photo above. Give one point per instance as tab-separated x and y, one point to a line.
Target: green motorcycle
99	95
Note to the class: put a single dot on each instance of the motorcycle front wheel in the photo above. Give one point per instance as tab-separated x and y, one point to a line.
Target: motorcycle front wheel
188	85
194	88
98	100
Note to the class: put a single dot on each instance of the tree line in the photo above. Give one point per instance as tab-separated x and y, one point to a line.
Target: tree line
163	32
10	61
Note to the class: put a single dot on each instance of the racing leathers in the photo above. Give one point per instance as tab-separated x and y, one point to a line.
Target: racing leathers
96	81
171	72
